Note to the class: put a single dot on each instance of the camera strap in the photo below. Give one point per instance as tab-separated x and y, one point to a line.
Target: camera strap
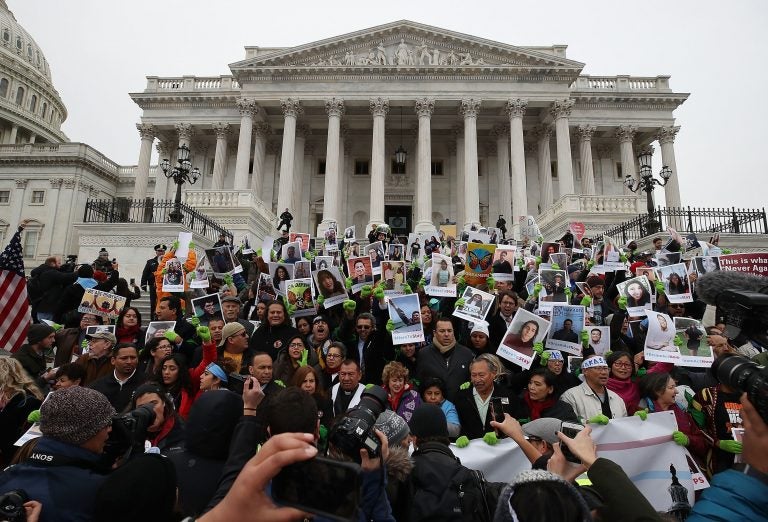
45	459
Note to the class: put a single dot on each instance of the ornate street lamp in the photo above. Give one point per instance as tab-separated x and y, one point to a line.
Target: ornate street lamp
183	173
647	183
401	154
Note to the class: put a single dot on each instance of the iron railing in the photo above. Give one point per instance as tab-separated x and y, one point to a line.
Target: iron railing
123	210
699	220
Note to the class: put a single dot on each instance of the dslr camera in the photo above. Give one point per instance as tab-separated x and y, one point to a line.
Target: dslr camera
746	313
355	430
129	431
744	375
12	506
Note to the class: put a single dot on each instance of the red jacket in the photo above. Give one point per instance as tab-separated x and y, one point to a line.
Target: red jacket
188	399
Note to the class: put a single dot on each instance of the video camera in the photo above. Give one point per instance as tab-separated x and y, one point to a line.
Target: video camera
12	506
355	431
746	313
746	376
129	431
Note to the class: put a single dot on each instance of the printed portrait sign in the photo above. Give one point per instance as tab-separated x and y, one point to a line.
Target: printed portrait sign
504	265
299	293
706	264
440	283
200	279
476	305
659	341
565	331
599	338
349	233
375	252
395	252
405	313
291	252
677	284
100	328
103	304
553	285
638	293
300	237
207	307
393	274
173	278
524	330
414	249
330	284
360	271
158	329
281	272
695	350
266	290
220	260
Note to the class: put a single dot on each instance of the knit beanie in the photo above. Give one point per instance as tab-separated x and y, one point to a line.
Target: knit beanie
74	415
393	426
38	332
532	477
428	420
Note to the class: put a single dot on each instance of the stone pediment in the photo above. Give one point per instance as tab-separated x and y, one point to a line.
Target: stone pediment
406	44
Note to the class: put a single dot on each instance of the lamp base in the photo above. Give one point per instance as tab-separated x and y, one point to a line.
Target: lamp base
175	216
652	227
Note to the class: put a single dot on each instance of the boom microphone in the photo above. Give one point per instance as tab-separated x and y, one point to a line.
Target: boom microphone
712	284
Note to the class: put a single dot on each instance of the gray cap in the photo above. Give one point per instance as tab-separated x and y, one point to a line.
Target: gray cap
103	335
545	428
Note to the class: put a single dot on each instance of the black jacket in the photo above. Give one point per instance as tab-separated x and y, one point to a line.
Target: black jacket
471	424
32	362
560	410
431	363
148	274
270	339
119	396
72	295
51	284
377	351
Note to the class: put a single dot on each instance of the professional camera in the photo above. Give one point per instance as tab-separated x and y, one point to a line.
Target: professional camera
236	382
742	374
129	431
355	430
746	313
12	506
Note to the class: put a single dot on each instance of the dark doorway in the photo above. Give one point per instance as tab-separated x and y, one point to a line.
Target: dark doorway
398	217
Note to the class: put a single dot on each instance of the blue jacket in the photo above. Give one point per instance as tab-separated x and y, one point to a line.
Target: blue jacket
732	496
67	492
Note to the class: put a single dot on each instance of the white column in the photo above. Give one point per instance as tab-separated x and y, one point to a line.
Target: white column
502	170
379	107
161	182
625	134
342	183
666	137
335	108
12	135
147	133
18	202
424	109
261	131
58	241
516	110
297	206
469	108
247	108
53	208
532	182
585	133
543	134
458	131
605	160
32	138
220	158
561	111
291	110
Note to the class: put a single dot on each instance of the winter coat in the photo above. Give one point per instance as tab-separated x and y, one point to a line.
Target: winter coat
95	369
629	389
732	496
471	424
32	362
188	266
119	395
408	401
67	345
399	468
13	422
72	296
431	363
271	339
586	404
51	285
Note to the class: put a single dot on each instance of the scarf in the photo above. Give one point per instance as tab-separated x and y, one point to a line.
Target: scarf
164	431
86	282
441	348
394	400
127	334
535	408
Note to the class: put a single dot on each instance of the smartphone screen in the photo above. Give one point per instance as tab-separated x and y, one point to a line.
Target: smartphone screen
497	409
327	487
570	430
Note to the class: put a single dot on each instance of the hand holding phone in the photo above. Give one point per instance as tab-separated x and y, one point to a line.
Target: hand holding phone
570	430
252	393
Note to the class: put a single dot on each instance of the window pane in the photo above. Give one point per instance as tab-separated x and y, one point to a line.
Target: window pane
30	243
5	196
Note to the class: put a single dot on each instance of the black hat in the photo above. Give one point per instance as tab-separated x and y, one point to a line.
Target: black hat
38	332
428	420
161	246
321	318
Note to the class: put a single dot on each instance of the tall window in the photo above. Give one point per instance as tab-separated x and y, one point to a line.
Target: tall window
29	245
5	197
18	43
321	167
19	95
33	103
437	168
45	109
6	35
3	88
619	171
361	167
38	197
554	169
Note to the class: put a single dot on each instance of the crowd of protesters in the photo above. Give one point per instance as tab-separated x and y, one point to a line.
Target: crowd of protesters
254	387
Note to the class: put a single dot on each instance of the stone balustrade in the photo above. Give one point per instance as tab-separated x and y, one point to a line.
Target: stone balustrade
225	199
69	151
594	211
192	83
621	83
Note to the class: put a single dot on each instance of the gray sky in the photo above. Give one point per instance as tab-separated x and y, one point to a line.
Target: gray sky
99	51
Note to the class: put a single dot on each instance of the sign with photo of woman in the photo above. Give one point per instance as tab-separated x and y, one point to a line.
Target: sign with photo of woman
281	273
638	293
440	282
405	312
476	305
677	285
375	252
266	290
393	275
201	274
660	339
553	285
330	284
706	264
524	331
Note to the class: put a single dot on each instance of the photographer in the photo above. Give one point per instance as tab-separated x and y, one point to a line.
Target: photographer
65	470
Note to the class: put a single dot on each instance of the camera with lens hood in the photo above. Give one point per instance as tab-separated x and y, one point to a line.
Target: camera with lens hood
355	430
129	431
745	376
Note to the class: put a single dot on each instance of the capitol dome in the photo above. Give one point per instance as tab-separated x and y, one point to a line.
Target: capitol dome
31	110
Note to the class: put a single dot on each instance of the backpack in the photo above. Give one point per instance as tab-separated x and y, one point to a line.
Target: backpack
34	290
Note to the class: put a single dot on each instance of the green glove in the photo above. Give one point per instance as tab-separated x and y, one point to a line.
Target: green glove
291	309
56	327
524	420
414	265
585	338
590	264
726	250
308	255
599	419
204	333
461	281
348	283
191	276
538	347
320	300
191	245
731	446
680	438
641	372
164	271
83	345
536	289
378	293
175	245
607	354
568	293
170	335
540	239
304	356
390	325
366	291
349	305
33	417
280	383
422	282
544	359
228	279
194	321
490	438
459	302
622	302
323	433
462	442
679	341
643	414
538	260
465	386
622	258
520	263
407	289
555	266
491	282
659	287
586	301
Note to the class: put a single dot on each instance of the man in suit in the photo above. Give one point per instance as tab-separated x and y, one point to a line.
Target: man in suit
148	276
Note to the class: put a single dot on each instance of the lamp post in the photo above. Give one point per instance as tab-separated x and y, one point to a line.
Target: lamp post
647	183
183	173
401	154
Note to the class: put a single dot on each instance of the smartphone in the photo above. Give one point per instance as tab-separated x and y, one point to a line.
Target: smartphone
133	281
497	409
570	430
323	486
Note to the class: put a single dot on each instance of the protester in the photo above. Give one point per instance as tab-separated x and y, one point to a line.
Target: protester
40	340
295	355
592	401
403	399
151	357
623	379
70	340
45	287
337	352
129	328
119	387
445	359
539	399
167	431
97	362
433	392
19	395
307	378
67	375
347	392
275	332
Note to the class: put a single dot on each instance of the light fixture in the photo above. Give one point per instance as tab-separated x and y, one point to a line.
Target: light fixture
401	154
647	183
183	173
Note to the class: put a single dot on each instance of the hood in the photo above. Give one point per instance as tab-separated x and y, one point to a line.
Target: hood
211	423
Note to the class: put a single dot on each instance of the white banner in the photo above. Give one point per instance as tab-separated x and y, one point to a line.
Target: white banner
644	450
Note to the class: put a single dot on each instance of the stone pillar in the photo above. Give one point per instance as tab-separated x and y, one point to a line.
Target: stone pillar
666	137
625	134
18	201
335	108
161	182
297	203
53	209
585	133
502	169
261	131
342	185
220	158
32	138
458	131
543	133
291	111
379	108
147	133
12	135
424	109
248	109
516	110
468	109
561	111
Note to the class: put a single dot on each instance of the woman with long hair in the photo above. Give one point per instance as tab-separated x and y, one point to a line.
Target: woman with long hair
623	380
281	274
637	295
328	285
122	289
274	333
540	400
179	381
336	353
19	395
151	357
428	320
128	327
216	375
308	379
677	284
403	399
167	431
294	356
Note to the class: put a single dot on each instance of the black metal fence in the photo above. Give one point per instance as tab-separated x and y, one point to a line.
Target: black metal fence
150	211
700	220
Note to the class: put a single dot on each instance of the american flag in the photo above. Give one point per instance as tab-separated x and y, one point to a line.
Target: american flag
15	314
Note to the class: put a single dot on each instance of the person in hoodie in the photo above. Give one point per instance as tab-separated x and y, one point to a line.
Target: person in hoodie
72	295
207	436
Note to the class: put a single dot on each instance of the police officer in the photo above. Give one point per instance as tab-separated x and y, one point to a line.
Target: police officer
148	276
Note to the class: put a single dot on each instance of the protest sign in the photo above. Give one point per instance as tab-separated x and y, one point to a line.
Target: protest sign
158	329
553	285
753	263
360	271
173	276
101	303
441	277
659	341
695	351
677	285
375	251
706	264
393	275
638	293
302	238
405	313
184	239
599	338
529	230
524	331
281	273
299	293
220	259
479	263
567	325
504	265
207	307
330	284
200	279
476	305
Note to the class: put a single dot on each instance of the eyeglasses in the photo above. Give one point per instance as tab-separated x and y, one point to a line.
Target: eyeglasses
363	327
622	365
296	345
333	356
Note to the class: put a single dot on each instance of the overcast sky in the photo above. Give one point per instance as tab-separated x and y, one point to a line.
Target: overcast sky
99	51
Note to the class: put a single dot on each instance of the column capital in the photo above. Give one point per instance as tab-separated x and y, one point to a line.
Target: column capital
69	183
625	133
56	182
184	130
561	108
469	107
425	107
21	183
291	107
585	132
500	130
302	131
667	134
162	149
146	130
221	130
379	106
516	108
542	132
82	186
247	106
262	129
334	107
